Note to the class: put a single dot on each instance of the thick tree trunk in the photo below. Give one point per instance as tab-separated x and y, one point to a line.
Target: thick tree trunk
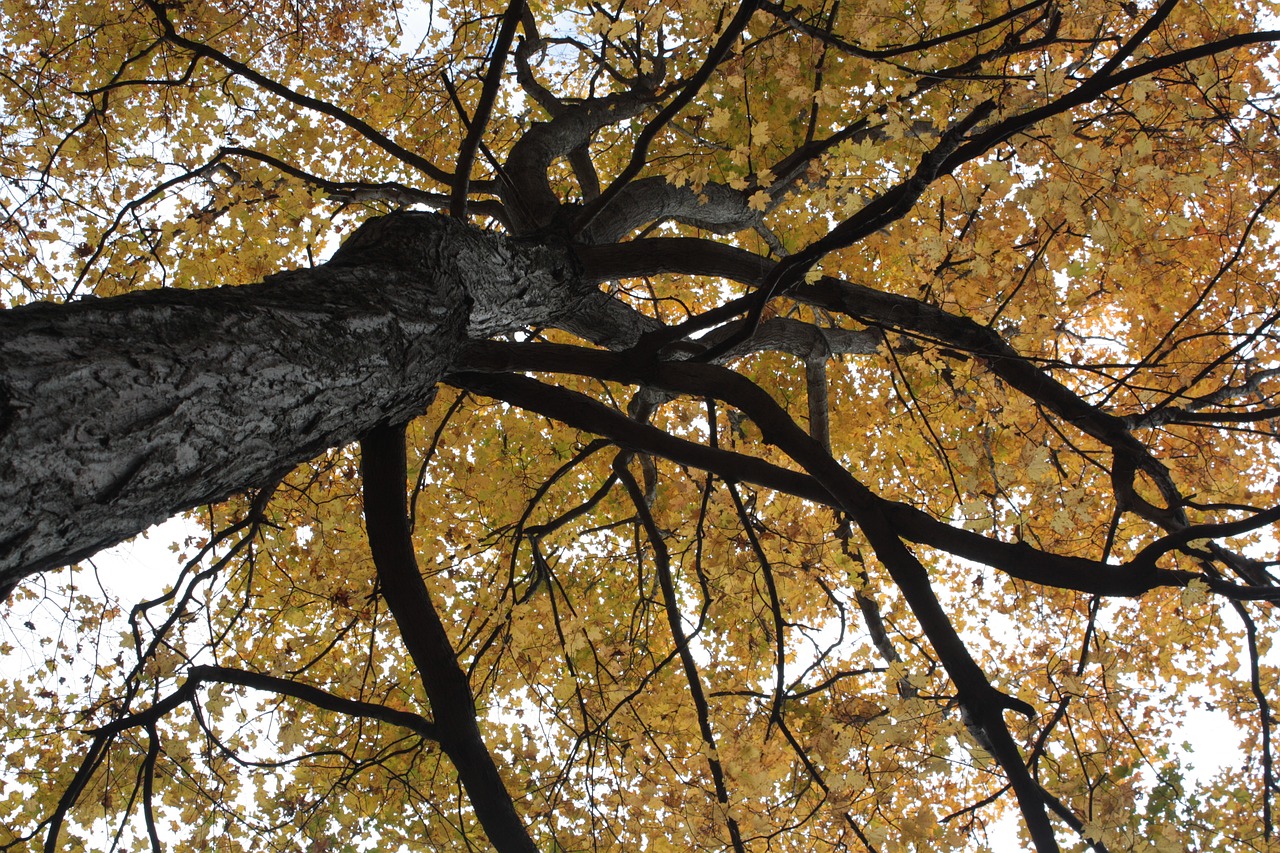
117	413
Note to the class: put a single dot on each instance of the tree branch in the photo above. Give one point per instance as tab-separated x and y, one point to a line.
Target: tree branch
384	471
203	674
671	602
1016	559
640	150
783	14
360	126
984	702
484	107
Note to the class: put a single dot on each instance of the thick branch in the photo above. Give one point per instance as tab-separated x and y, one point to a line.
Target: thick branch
715	208
889	311
1018	560
452	705
534	201
984	703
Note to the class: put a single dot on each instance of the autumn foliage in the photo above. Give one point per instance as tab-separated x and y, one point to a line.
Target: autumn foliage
855	429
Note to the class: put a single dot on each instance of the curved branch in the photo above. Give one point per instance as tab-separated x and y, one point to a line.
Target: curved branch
203	674
671	602
790	18
135	204
196	676
775	604
384	471
1178	538
363	191
984	702
696	256
148	786
1004	129
716	208
545	142
1266	720
1018	560
640	151
540	94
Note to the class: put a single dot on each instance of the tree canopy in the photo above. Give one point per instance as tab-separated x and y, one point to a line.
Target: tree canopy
657	426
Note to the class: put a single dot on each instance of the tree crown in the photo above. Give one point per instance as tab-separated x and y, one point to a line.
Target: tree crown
843	425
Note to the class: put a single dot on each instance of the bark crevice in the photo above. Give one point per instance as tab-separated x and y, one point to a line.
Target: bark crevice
118	413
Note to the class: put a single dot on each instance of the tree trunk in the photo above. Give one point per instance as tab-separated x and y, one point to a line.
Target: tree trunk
117	413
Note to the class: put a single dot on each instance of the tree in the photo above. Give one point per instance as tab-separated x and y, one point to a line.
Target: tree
779	426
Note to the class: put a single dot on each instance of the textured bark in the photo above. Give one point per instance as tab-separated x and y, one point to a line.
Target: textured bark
117	413
714	207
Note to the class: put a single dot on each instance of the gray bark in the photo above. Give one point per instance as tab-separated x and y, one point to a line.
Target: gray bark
715	208
117	413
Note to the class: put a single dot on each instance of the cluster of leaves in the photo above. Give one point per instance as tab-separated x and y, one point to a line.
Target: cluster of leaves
1030	314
